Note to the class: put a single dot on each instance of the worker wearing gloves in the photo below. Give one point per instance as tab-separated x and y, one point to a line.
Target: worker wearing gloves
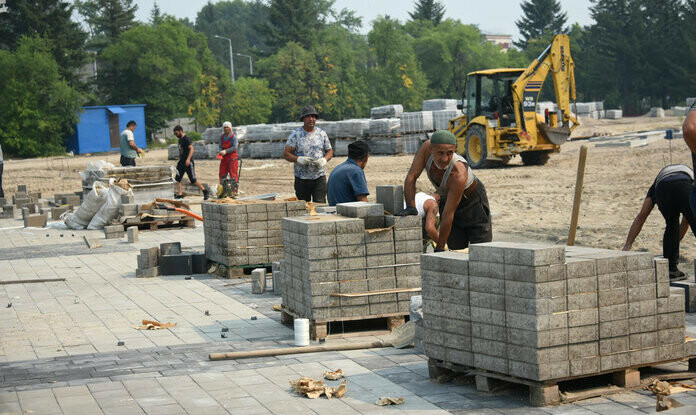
228	151
309	148
347	181
464	212
670	191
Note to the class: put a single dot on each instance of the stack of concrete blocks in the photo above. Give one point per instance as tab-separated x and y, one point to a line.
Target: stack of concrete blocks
442	118
657	112
239	233
173	152
690	102
21	198
589	109
391	197
356	251
386	111
114	231
70	199
440	104
540	312
35	220
132	233
57	211
614	114
7	209
258	281
414	125
277	277
148	263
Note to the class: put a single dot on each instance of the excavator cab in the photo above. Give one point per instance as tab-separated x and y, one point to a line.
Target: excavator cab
489	94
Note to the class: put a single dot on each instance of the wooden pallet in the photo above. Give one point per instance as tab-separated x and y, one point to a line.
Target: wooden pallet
239	271
565	390
152	224
358	326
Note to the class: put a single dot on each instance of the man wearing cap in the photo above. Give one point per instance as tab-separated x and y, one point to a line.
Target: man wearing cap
228	150
670	191
309	148
347	181
464	212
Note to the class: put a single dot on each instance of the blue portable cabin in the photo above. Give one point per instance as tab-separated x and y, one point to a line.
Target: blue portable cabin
99	129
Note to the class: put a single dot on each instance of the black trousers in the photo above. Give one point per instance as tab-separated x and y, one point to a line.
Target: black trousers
311	190
127	161
182	169
672	198
472	220
2	166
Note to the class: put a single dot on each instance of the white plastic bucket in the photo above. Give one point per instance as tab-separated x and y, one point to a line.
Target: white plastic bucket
301	332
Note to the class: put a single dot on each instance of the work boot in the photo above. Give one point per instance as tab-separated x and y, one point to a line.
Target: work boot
206	194
179	196
676	276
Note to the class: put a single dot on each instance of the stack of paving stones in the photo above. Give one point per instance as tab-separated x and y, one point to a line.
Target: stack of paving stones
357	250
246	233
168	259
114	231
7	209
540	312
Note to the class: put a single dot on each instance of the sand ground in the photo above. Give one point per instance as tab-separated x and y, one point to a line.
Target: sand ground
529	203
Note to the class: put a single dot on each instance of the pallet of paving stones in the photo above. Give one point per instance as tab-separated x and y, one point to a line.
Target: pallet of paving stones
568	389
153	224
239	271
538	314
348	326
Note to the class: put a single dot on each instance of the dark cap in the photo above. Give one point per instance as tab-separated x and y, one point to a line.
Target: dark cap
308	110
357	150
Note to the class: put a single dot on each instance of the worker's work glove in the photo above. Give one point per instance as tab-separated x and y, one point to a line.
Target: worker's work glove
222	152
439	249
409	211
304	160
320	162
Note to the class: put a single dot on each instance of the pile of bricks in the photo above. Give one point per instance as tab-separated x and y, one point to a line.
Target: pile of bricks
357	251
246	233
114	231
543	312
168	259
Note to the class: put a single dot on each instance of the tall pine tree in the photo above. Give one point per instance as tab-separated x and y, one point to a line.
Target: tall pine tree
540	17
428	10
51	20
294	21
107	19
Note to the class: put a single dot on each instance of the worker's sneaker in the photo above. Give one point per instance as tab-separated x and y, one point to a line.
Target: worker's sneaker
206	194
676	276
179	196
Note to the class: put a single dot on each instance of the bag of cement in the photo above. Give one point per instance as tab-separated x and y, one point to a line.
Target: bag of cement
439	104
109	210
384	126
414	122
94	170
387	111
91	204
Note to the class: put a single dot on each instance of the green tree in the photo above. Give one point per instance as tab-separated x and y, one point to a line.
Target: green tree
250	102
51	20
395	76
39	108
156	14
206	107
295	21
688	53
539	17
428	10
156	65
106	20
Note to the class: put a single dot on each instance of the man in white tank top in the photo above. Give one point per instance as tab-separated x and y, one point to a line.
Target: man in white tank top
464	211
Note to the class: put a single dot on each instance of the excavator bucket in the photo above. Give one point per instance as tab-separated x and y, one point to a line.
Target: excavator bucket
555	135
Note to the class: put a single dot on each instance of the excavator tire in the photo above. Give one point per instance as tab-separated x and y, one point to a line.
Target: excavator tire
476	147
534	158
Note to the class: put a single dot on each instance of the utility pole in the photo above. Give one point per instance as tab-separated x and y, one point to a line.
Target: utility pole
231	56
251	68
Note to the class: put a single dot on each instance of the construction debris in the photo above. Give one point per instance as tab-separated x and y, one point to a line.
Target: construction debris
389	401
315	388
154	325
335	375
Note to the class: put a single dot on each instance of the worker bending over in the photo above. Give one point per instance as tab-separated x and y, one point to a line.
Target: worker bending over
670	191
464	212
347	181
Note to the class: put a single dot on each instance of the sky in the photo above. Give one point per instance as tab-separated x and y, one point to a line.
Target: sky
492	16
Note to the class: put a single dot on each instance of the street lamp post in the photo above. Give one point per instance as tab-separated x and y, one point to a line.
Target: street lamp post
251	68
231	56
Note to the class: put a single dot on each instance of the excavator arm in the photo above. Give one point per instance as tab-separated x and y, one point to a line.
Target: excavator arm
557	59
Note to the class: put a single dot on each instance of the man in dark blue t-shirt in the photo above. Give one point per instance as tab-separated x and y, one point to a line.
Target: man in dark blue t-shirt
347	181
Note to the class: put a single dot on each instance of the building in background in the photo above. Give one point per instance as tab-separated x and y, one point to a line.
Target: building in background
504	41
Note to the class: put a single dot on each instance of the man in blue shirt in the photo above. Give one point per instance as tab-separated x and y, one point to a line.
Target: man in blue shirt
347	181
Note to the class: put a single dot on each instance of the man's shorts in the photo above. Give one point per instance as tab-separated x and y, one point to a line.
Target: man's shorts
127	161
181	169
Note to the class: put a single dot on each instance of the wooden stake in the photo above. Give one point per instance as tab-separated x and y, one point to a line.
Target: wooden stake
297	350
578	195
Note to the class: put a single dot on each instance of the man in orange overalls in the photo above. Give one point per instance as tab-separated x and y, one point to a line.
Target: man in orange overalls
228	151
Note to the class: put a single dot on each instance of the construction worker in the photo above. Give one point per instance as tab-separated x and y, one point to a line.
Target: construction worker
228	151
689	130
129	151
670	190
309	148
464	212
347	180
428	209
185	164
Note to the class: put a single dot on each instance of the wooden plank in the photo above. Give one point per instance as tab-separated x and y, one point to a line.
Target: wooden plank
32	281
378	292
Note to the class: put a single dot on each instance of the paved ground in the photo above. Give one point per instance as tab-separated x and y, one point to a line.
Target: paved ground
59	350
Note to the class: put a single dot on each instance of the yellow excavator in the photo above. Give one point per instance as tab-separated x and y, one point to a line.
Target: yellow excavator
499	117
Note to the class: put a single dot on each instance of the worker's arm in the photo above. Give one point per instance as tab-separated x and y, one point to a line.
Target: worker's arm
430	207
689	130
190	156
638	222
683	227
132	145
329	154
417	166
289	154
455	190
